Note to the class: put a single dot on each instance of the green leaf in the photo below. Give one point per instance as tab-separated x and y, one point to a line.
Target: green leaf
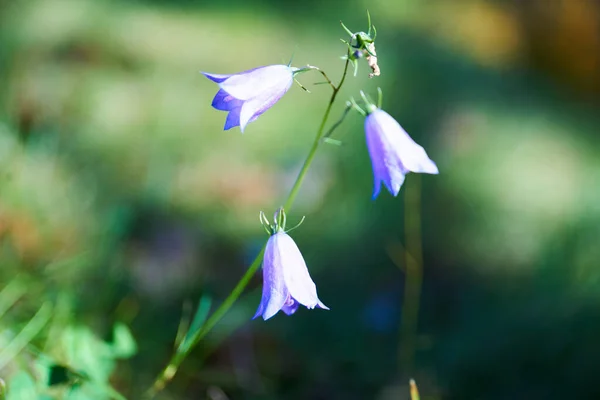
21	387
124	345
87	354
90	361
79	393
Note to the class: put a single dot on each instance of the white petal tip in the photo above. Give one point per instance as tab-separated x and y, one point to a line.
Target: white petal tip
428	167
317	305
266	317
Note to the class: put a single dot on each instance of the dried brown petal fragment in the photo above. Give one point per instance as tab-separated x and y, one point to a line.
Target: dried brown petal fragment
372	60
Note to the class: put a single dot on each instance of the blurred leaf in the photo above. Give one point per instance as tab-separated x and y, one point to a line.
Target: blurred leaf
22	387
92	360
33	327
124	345
78	393
85	352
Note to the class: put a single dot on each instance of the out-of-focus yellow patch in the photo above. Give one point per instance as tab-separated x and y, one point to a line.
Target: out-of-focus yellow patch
488	32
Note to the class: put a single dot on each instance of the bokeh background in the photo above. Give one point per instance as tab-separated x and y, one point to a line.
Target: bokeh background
123	202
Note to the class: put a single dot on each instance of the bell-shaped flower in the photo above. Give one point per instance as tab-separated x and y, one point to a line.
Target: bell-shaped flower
248	94
286	281
393	153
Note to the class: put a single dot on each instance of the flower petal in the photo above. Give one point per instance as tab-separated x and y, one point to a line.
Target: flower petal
274	293
290	306
255	82
387	167
233	118
225	102
393	152
413	156
295	274
321	305
255	107
218	78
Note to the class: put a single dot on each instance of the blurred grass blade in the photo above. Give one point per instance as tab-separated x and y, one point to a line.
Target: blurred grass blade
33	327
184	324
414	391
197	323
10	294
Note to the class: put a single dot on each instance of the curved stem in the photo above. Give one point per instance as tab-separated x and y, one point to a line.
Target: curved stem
169	372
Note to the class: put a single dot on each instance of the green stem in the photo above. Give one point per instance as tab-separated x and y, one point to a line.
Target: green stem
313	150
414	276
169	372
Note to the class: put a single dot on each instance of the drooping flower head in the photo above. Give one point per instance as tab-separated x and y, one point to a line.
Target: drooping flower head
248	94
286	281
393	152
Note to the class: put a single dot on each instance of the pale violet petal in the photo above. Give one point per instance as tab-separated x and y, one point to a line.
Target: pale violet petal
411	155
249	84
290	306
253	108
218	78
321	305
275	293
225	102
387	167
295	274
233	118
261	307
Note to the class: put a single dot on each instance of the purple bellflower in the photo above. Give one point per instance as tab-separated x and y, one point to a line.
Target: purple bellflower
286	281
393	153
248	94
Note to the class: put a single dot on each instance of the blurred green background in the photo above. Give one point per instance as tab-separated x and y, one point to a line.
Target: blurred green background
122	200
